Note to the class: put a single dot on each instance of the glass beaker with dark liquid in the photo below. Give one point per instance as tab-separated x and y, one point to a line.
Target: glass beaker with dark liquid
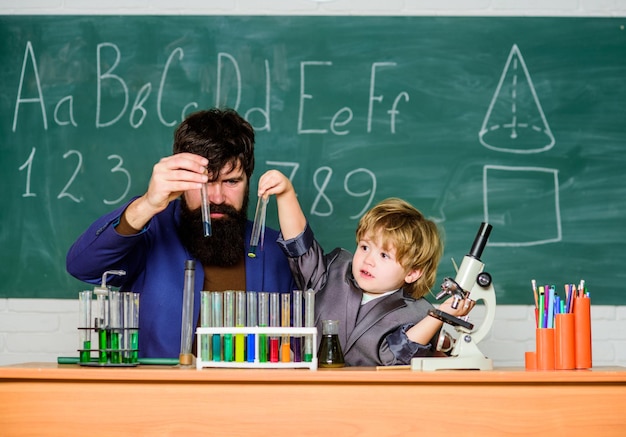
330	353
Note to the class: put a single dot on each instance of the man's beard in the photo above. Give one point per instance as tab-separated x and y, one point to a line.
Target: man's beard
225	246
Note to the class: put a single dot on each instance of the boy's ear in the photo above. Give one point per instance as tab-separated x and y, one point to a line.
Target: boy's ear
412	276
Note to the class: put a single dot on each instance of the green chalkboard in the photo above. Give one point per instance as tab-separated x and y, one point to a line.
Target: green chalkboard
520	122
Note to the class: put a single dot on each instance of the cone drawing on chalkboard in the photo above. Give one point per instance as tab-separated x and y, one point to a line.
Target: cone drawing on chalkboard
515	121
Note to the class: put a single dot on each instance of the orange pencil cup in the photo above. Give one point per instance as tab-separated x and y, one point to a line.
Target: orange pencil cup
582	324
565	342
530	360
545	348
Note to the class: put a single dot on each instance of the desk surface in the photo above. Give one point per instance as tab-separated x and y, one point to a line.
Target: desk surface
43	399
364	375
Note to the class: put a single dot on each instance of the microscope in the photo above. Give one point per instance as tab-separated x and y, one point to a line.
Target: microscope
470	280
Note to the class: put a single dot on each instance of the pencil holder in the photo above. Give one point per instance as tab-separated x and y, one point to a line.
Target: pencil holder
545	348
582	324
530	360
565	358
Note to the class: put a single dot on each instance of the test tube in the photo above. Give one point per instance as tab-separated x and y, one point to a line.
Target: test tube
217	320
309	321
240	322
134	327
125	340
264	318
285	322
274	322
205	322
101	324
84	326
186	332
251	320
229	322
296	317
115	325
258	227
206	211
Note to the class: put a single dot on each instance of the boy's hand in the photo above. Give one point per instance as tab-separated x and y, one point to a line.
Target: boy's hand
290	215
463	308
274	182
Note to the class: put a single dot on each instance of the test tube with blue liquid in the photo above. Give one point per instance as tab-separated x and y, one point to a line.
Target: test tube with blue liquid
251	321
296	341
240	322
274	322
217	320
258	227
309	321
264	318
206	211
205	322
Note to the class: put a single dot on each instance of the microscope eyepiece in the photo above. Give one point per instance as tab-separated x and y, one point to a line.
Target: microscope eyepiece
481	240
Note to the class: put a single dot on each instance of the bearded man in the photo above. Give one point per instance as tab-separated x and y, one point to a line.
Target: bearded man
153	235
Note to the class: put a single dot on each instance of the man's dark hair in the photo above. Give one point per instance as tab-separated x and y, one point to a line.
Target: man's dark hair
220	135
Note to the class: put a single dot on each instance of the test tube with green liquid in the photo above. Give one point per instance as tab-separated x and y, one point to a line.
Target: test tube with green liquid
115	326
217	319
229	322
84	326
126	324
258	226
309	321
134	328
264	319
296	317
205	322
251	321
101	324
240	322
274	322
285	322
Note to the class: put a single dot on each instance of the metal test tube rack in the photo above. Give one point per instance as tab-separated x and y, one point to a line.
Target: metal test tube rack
114	324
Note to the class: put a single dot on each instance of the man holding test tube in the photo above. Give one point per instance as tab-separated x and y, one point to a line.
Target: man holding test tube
151	236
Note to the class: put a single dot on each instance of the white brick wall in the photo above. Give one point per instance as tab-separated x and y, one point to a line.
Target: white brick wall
312	7
43	329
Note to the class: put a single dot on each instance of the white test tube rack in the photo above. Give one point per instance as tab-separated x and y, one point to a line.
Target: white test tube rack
273	331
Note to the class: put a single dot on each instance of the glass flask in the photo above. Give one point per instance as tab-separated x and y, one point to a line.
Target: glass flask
330	353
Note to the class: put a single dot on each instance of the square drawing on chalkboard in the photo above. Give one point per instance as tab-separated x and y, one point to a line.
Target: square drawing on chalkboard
522	203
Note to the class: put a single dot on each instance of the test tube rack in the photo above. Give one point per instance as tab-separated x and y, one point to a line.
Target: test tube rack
114	319
107	353
206	334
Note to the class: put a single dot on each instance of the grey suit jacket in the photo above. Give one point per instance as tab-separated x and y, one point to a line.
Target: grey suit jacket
370	334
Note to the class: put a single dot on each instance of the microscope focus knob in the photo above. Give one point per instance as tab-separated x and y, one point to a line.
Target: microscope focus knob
484	279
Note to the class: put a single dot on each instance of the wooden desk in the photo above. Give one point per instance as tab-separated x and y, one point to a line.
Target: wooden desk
41	399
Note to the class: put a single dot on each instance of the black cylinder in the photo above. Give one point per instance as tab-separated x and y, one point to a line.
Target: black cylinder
481	240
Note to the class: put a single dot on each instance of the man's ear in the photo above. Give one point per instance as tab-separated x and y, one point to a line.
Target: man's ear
412	276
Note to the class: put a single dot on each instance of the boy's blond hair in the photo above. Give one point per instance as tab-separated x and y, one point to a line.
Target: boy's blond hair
416	240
